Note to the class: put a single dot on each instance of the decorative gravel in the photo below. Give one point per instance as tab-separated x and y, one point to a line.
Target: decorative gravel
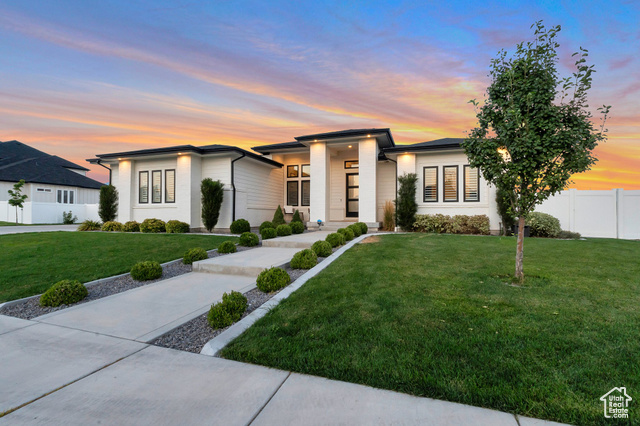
30	308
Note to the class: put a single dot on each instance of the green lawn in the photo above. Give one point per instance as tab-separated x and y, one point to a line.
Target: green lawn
32	262
433	315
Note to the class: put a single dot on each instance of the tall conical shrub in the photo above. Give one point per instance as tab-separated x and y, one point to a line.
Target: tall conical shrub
108	207
212	195
407	207
278	218
296	217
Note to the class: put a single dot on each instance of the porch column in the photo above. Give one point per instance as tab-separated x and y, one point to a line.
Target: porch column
126	187
406	165
319	181
183	189
368	164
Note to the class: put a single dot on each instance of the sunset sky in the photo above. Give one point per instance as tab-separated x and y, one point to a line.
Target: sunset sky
79	78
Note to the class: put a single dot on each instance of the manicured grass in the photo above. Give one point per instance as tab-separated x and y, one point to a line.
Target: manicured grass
33	262
3	223
436	316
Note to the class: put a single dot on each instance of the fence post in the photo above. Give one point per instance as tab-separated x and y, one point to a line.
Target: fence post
572	209
620	213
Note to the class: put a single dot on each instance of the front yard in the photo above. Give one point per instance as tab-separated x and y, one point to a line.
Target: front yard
435	315
31	263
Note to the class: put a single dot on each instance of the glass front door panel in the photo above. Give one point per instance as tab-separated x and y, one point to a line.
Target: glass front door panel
353	192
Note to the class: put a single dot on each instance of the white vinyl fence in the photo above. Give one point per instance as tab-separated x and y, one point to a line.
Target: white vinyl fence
47	212
610	214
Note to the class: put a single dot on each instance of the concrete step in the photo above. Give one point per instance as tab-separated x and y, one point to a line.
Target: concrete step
249	263
298	241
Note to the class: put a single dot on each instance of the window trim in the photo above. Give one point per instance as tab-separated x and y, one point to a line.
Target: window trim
424	197
139	187
294	167
302	182
357	162
289	182
166	187
444	184
152	201
464	184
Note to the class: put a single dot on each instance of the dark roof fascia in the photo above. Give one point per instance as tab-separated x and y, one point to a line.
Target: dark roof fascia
423	147
349	134
96	186
267	149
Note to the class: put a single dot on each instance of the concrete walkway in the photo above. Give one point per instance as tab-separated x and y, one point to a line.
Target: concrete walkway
5	230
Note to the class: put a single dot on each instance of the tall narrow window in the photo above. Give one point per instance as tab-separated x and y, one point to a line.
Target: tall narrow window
66	197
59	195
143	187
292	193
71	193
471	184
306	192
156	182
450	183
170	186
430	184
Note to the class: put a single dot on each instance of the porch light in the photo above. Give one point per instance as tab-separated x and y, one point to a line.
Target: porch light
179	153
350	146
368	136
315	140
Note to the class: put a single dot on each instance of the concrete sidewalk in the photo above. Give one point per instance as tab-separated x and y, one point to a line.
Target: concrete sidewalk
5	230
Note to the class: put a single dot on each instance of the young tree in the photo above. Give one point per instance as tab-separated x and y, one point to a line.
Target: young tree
534	130
108	208
17	197
212	196
407	207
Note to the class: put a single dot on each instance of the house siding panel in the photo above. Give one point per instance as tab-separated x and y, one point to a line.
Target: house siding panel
258	190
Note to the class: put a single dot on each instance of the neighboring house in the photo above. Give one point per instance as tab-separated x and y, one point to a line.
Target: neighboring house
335	177
53	186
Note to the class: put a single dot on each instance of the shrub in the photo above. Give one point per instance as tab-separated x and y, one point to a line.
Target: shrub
437	223
272	279
296	217
568	235
228	311
543	225
363	227
64	292
347	232
193	255
153	226
68	218
406	206
249	239
335	239
144	271
268	233
278	218
108	207
388	217
89	225
479	224
304	259
112	226
322	248
297	227
355	229
265	225
239	226
459	224
227	247
131	226
177	227
504	199
212	196
283	230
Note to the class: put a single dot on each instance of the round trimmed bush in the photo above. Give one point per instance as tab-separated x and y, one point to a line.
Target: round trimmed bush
297	227
131	226
227	247
304	259
322	248
194	254
347	232
363	227
144	271
272	279
266	224
112	226
228	311
334	239
283	230
153	226
268	233
240	226
355	229
177	227
543	225
64	292
249	239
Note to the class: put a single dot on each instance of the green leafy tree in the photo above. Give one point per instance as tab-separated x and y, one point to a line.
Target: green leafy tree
407	207
108	208
212	196
534	130
17	197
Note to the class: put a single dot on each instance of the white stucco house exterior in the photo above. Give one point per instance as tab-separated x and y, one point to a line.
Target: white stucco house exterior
337	177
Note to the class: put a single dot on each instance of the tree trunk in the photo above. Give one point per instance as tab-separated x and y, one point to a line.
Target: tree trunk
16	215
519	250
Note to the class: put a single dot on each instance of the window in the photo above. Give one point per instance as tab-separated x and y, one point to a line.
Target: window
292	193
43	189
292	171
306	192
143	188
471	184
156	182
351	164
59	195
71	197
450	183
306	170
65	196
170	186
430	184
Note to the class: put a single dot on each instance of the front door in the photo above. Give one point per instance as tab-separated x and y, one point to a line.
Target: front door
353	192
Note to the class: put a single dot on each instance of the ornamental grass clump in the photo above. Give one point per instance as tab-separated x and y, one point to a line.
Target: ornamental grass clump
322	248
193	255
227	247
64	292
228	311
347	233
90	225
272	279
283	230
240	226
177	227
304	259
145	271
249	239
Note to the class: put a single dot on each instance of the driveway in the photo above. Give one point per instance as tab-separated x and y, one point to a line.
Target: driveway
5	230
